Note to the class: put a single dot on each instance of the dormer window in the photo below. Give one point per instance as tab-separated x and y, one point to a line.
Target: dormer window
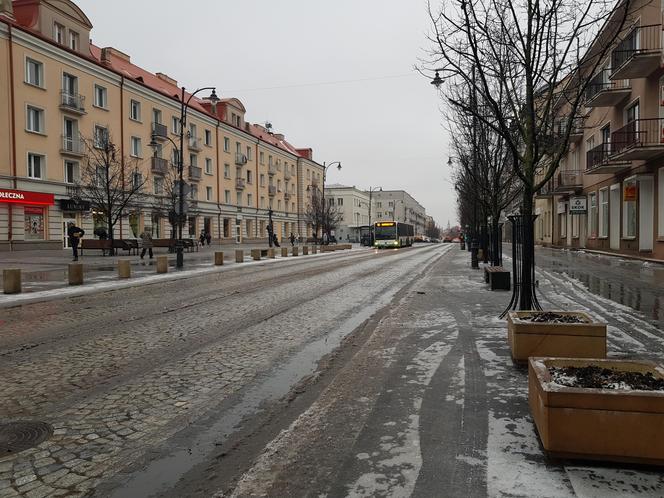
59	33
74	41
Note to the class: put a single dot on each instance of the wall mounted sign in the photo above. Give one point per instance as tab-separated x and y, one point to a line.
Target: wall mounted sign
630	192
74	205
578	204
25	197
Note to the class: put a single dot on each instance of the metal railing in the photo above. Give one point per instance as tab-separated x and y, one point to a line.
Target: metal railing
570	178
272	169
73	145
194	143
641	39
598	156
158	165
601	83
240	159
287	174
638	133
272	190
72	101
195	173
159	130
239	183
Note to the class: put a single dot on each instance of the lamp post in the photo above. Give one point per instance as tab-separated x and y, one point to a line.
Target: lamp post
184	107
325	168
371	231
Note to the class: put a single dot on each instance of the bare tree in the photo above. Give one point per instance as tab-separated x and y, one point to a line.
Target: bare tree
322	216
539	57
113	184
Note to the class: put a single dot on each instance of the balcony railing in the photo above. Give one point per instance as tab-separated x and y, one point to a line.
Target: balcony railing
194	143
604	92
72	145
568	181
240	159
272	190
271	169
159	131
638	54
158	165
640	139
599	160
195	173
287	195
287	174
72	102
239	183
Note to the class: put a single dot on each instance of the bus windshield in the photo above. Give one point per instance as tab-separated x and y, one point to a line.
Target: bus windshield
385	233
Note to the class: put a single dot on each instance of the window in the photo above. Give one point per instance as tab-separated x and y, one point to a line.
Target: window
248	153
35	120
239	198
101	97
227	171
100	137
660	203
238	147
193	160
262	179
250	177
227	196
193	191
250	200
59	33
261	156
69	88
136	180
136	147
606	134
135	110
592	215
262	202
36	165
158	185
575	225
390	204
156	116
193	135
269	160
208	193
175	125
71	171
208	137
208	166
74	40
34	223
629	208
227	144
279	204
340	202
34	72
604	212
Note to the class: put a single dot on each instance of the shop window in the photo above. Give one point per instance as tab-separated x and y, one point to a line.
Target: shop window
133	223
604	212
34	223
156	226
191	221
629	208
660	203
592	215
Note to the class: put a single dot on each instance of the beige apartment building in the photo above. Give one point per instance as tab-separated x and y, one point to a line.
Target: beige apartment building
353	206
606	194
60	95
399	205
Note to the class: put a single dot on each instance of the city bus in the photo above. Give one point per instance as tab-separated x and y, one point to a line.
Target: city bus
393	234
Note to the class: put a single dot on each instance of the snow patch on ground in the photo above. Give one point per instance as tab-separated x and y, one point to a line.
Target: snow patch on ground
598	482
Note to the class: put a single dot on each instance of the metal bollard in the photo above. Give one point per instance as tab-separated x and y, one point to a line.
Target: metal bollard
75	274
284	252
218	258
239	256
256	254
305	250
296	251
271	254
124	268
11	280
162	264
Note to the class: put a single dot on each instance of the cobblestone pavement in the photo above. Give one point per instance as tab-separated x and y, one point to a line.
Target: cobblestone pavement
432	406
118	373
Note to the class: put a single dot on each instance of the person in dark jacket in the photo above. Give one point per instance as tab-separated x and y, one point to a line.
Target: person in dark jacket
275	240
208	237
292	239
74	233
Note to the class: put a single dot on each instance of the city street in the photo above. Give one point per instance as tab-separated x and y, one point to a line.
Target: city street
367	373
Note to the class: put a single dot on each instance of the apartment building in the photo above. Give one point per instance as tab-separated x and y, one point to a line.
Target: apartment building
60	95
353	205
606	194
399	205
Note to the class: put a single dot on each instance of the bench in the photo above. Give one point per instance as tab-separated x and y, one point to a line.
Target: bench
188	244
129	245
497	277
103	245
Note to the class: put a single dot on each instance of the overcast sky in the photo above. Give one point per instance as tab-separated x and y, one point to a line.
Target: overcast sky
336	76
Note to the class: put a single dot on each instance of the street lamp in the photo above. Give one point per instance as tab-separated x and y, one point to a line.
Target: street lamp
184	107
371	232
325	168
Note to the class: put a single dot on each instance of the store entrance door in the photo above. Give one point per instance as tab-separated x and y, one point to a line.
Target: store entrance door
65	239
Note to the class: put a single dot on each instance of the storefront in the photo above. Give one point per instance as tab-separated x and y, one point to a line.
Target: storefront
27	220
73	210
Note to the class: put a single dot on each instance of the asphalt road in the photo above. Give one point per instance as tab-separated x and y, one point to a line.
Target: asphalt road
146	386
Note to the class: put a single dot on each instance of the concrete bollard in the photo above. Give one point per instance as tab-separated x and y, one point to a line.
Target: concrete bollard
284	252
11	280
124	268
256	254
305	250
314	249
239	256
218	258
296	251
162	264
271	254
75	274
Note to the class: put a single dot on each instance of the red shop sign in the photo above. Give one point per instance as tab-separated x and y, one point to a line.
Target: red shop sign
24	197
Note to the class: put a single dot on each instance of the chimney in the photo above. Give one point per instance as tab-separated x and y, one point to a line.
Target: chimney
7	10
167	79
279	136
106	56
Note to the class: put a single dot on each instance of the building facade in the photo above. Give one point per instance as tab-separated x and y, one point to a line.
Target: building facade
399	205
353	206
61	96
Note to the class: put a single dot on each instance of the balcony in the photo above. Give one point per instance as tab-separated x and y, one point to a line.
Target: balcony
638	55
287	174
159	131
600	162
639	140
287	196
72	102
195	143
603	92
240	159
239	183
567	182
272	190
195	173
72	146
271	169
158	165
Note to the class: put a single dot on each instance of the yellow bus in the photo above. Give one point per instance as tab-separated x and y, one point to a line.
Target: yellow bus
393	234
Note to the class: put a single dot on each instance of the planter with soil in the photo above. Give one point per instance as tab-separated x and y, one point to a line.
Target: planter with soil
566	334
598	409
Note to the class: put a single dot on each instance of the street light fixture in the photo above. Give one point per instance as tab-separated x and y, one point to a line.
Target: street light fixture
371	191
184	107
325	168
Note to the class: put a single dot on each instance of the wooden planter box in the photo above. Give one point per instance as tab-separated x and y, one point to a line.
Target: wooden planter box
597	424
565	340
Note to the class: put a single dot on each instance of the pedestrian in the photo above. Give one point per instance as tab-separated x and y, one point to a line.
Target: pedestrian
292	239
74	233
146	238
275	240
208	237
103	235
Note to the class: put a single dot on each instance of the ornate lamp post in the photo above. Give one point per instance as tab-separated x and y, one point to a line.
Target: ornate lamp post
371	231
325	168
184	107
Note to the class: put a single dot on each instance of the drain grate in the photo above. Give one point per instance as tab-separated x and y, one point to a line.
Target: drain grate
20	436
